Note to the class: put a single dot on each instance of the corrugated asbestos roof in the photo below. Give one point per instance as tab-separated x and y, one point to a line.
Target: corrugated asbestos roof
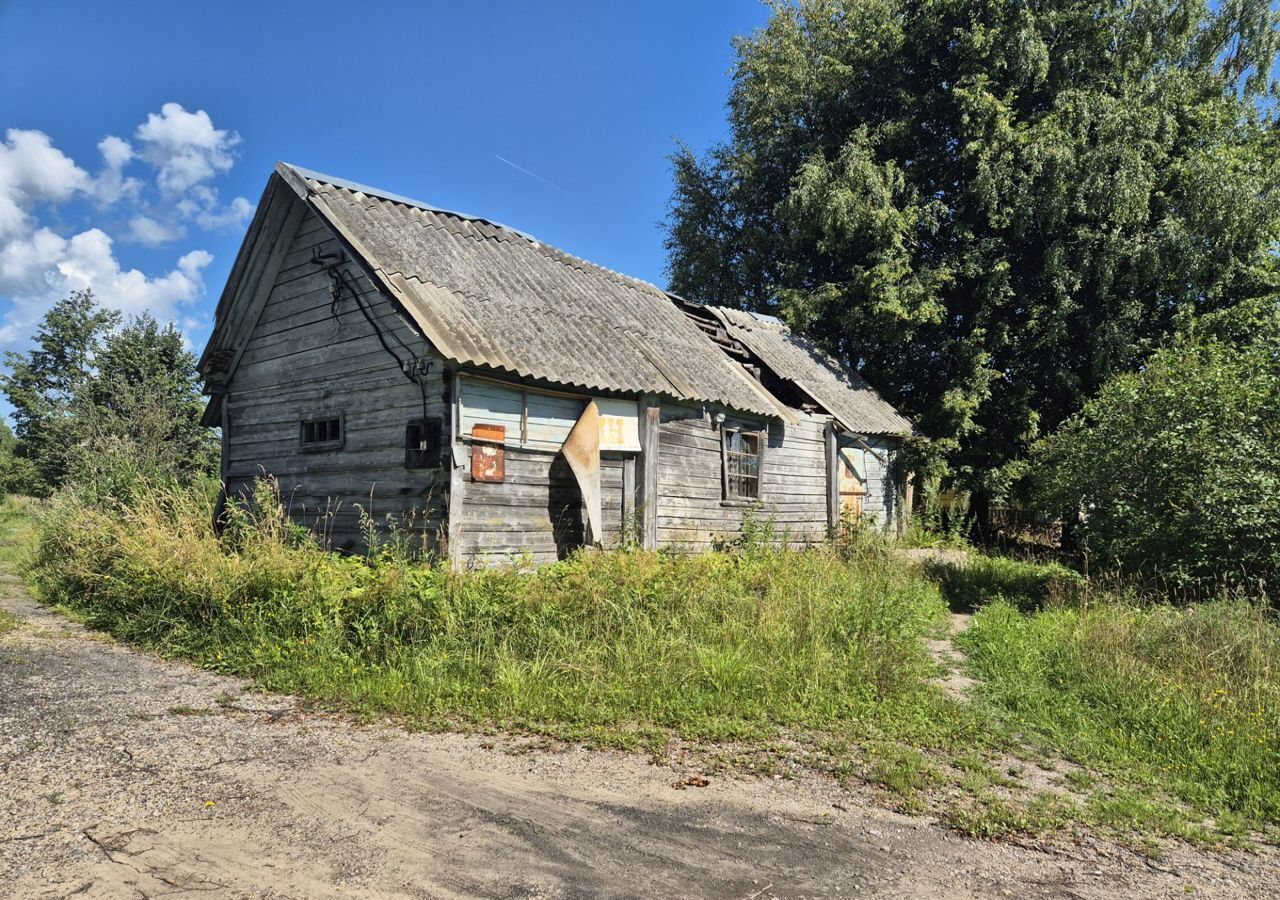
487	295
845	395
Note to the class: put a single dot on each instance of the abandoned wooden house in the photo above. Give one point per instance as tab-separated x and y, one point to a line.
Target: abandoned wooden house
386	359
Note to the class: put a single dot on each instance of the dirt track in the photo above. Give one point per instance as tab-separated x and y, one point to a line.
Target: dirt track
128	776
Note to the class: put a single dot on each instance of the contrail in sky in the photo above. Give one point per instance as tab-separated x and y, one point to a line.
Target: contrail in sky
533	175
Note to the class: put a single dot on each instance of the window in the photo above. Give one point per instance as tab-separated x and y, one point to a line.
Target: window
741	456
422	440
320	434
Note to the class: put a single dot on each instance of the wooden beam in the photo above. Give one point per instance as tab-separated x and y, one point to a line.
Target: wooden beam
647	480
833	478
628	510
457	479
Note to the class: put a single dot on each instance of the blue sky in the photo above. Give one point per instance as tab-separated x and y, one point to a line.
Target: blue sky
138	136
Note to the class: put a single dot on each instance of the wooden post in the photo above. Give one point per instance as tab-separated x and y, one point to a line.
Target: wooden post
647	471
630	524
833	479
908	500
457	474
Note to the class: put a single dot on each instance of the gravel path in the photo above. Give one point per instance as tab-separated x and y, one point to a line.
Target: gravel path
128	776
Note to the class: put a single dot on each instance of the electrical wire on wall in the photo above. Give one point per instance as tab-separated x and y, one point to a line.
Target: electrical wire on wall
341	286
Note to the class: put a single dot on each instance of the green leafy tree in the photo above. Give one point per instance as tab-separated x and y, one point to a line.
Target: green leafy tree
141	410
990	208
102	404
1176	468
17	473
45	385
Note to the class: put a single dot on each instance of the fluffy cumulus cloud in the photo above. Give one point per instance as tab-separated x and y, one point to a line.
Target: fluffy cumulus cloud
185	148
39	263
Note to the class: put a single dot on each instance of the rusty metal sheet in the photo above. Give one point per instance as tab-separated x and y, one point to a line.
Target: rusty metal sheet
488	456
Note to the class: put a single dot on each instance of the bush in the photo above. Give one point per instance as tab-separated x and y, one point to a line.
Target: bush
1176	469
718	644
1025	584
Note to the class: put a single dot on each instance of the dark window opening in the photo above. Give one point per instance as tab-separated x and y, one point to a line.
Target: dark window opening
321	434
422	443
741	464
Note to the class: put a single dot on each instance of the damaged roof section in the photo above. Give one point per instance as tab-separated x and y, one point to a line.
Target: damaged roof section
845	395
486	295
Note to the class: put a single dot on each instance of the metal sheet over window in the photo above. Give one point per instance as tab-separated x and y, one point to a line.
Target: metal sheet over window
541	420
619	425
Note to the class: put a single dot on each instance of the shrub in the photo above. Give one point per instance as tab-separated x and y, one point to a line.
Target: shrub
1025	584
1176	469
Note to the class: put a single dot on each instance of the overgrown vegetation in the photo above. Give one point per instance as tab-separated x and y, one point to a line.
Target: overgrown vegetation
778	657
1181	700
718	645
1175	470
93	383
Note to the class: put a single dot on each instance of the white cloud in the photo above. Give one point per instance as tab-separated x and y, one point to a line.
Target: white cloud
111	185
33	171
40	264
185	148
235	215
48	267
152	233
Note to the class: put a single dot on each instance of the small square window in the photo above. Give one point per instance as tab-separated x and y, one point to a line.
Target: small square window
320	434
422	442
741	451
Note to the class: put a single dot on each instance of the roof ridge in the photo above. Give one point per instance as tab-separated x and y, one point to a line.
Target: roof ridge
549	251
367	190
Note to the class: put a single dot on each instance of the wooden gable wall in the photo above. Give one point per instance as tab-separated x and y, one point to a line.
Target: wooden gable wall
304	359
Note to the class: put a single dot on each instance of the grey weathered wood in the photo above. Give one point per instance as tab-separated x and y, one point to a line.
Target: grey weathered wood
457	474
629	498
300	360
833	478
648	489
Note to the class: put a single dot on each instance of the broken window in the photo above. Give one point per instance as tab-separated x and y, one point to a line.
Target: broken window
321	434
741	457
422	441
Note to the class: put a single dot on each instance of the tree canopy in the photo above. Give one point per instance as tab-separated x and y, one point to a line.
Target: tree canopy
990	208
93	393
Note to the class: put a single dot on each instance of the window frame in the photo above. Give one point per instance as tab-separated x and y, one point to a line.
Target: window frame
325	421
431	432
730	481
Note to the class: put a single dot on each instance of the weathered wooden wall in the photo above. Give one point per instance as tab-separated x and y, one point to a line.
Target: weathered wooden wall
305	360
692	513
536	513
881	505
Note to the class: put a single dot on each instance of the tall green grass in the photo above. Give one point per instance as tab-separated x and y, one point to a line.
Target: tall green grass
628	647
1184	698
715	645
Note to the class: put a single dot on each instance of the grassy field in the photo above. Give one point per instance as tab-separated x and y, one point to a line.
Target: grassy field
1142	720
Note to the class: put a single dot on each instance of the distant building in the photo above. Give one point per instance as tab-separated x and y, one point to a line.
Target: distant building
508	399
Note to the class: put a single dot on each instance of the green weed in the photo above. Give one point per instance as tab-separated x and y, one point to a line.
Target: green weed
1184	699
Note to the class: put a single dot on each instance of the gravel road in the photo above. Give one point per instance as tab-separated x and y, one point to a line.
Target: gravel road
129	776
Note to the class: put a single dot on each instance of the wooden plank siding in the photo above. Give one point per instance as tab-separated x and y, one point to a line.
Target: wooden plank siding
692	512
306	359
536	513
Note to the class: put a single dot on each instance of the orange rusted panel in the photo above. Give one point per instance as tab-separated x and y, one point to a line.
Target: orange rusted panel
488	460
482	431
